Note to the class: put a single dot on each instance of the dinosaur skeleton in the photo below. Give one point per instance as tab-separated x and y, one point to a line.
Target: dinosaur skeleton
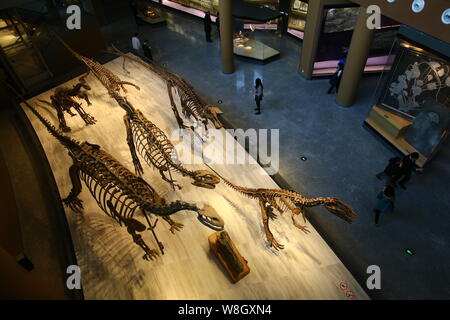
191	104
150	141
63	101
287	200
119	192
108	79
157	150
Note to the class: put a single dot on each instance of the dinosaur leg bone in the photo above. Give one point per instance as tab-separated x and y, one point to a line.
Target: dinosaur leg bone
131	146
269	235
149	253
295	211
152	229
72	200
174	106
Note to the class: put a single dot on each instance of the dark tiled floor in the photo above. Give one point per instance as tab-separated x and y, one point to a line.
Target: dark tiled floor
343	157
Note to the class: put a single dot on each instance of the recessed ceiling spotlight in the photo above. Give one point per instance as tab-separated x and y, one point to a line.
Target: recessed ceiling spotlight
418	5
390	1
446	16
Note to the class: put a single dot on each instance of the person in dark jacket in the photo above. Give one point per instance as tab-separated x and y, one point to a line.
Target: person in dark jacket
392	170
408	166
385	202
207	25
218	24
147	50
259	94
336	78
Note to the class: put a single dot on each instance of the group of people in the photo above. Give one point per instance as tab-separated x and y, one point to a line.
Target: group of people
142	50
397	173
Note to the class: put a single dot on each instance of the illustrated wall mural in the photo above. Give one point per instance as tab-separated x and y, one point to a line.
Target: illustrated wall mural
418	89
416	78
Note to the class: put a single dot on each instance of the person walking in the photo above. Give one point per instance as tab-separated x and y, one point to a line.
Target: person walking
136	44
259	94
385	202
207	25
392	170
408	166
218	24
147	50
336	78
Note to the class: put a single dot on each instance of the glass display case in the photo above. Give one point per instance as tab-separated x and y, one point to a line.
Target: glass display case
297	16
413	108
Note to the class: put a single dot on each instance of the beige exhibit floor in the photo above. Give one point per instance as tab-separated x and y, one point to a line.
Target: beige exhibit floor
111	264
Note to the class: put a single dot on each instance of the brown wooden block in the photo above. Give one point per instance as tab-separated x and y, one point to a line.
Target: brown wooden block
228	255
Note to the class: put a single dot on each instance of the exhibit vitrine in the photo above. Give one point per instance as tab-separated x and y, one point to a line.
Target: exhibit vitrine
413	108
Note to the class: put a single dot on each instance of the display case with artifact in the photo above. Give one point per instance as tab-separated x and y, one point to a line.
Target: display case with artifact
297	16
246	47
413	111
148	13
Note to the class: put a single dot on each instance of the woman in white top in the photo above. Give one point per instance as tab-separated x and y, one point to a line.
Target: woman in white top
259	89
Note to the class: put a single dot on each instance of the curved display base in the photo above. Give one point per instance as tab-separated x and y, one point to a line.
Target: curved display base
111	264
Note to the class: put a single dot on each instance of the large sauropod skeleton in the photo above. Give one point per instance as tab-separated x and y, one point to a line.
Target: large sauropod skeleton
119	192
63	101
287	200
191	104
150	141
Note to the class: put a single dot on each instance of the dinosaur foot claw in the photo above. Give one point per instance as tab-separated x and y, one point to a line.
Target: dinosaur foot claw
176	227
75	204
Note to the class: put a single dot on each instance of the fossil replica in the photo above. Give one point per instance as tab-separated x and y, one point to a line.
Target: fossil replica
156	149
150	141
119	192
108	79
282	200
228	255
63	101
191	104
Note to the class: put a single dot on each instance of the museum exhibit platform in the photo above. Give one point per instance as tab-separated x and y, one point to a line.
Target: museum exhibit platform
253	49
111	264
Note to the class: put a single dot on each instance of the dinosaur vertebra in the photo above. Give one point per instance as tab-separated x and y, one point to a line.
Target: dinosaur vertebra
150	141
282	200
119	192
191	104
63	101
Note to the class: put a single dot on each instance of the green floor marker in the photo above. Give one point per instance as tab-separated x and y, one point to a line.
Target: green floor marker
219	101
303	158
409	251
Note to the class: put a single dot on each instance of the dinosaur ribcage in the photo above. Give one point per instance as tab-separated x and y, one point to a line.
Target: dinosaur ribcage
152	145
104	192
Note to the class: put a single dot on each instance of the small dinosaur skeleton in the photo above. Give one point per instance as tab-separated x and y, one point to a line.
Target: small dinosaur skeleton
108	79
287	200
119	192
191	104
63	101
151	142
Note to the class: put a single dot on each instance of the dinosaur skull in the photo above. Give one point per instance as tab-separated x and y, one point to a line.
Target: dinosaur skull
212	116
340	209
205	179
210	218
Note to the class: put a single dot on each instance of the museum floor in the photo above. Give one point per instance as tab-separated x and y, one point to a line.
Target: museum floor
342	157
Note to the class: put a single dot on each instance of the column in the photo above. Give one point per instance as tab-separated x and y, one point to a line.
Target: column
226	36
356	60
311	38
